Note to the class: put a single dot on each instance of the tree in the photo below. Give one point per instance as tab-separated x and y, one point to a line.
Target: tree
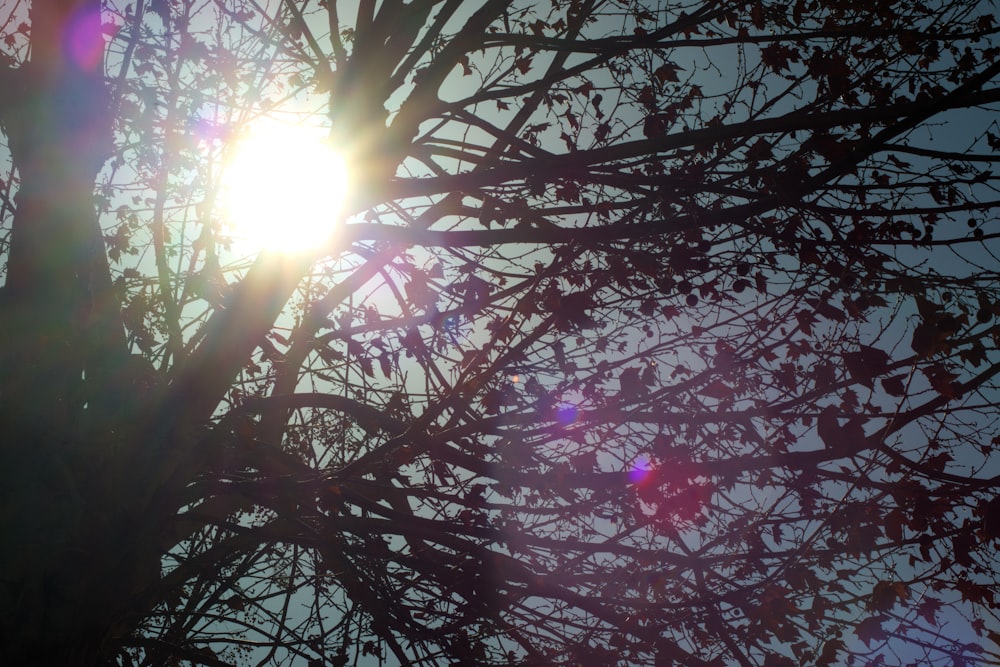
653	333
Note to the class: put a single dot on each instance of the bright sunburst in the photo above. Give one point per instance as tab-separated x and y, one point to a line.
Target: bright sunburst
283	188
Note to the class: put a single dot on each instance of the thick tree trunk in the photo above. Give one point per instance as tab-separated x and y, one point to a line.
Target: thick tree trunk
71	561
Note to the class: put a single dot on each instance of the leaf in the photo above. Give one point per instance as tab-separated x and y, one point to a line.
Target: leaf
654	126
825	376
828	427
975	354
962	546
927	309
631	385
601	132
805	318
974	592
989	512
931	336
866	364
759	151
667	72
924	342
836	437
894	385
887	594
942	381
831	312
895	521
330	356
828	656
928	610
385	364
235	603
901	164
466	69
717	389
419	291
778	56
870	630
161	8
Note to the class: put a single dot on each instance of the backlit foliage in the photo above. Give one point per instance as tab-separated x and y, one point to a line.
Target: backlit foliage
655	333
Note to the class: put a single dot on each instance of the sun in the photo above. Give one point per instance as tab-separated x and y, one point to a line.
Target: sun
283	188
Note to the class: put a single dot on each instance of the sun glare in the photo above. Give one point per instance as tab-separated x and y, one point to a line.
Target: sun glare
283	188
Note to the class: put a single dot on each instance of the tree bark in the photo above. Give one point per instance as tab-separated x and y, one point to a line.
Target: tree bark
69	566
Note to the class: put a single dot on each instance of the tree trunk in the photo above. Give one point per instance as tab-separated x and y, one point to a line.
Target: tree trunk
71	563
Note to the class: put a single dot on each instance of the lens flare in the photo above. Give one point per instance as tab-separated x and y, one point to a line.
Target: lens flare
642	471
566	414
83	38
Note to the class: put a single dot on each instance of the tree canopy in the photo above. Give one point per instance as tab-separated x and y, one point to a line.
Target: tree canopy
648	333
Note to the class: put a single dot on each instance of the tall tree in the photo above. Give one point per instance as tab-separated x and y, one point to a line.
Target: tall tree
650	333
